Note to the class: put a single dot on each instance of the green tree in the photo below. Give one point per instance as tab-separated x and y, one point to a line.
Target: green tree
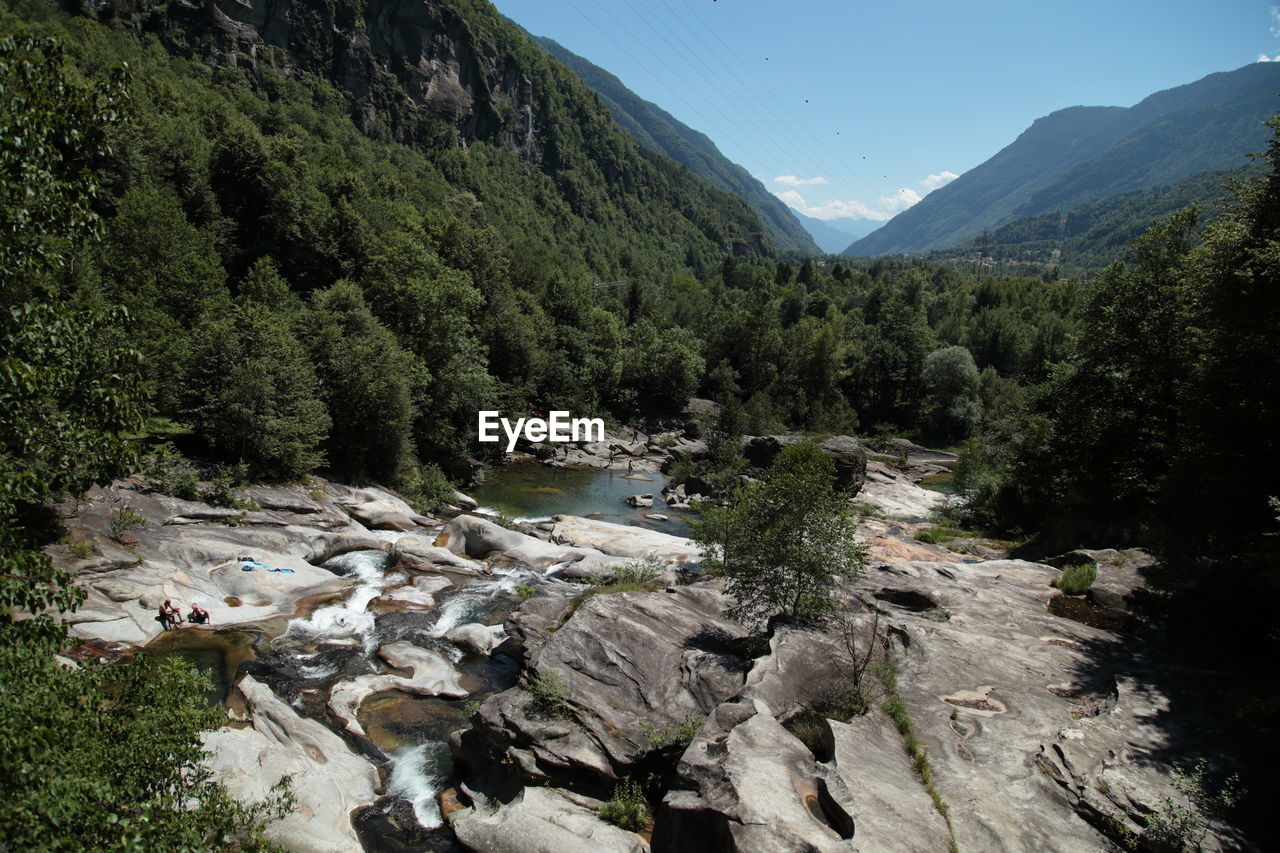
91	758
950	379
368	383
785	541
663	368
251	393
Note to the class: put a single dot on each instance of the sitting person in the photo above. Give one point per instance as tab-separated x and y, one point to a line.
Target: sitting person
170	616
198	615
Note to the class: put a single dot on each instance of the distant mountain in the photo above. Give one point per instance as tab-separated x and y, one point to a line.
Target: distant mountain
1082	154
832	235
1093	234
656	129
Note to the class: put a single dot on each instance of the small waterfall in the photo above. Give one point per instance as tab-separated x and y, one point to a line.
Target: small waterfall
350	622
418	775
474	600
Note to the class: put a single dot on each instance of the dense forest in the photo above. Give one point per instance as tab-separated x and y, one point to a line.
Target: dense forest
295	286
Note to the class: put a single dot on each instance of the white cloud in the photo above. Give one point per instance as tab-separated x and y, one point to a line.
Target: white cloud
941	179
836	209
793	181
884	208
1262	57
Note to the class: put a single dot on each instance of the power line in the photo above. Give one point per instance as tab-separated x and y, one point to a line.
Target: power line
781	102
710	103
674	92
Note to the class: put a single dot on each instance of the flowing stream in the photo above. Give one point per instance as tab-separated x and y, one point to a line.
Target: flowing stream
303	659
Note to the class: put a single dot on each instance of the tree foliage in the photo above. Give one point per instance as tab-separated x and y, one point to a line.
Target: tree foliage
90	757
785	541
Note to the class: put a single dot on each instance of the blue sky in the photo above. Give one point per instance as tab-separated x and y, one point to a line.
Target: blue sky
859	108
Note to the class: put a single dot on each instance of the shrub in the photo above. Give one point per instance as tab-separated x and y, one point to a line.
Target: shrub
525	591
221	489
167	471
1076	580
861	652
81	548
547	689
427	488
938	535
627	809
1182	826
785	541
123	520
814	732
633	572
675	736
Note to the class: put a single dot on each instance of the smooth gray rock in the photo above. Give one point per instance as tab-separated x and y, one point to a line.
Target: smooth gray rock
746	783
895	495
633	666
621	540
474	637
433	675
544	820
329	780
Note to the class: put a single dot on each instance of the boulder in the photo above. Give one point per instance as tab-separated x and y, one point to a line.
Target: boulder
640	500
329	780
917	455
477	638
543	820
761	450
893	493
634	666
433	675
419	594
480	538
746	783
379	508
621	540
463	469
423	555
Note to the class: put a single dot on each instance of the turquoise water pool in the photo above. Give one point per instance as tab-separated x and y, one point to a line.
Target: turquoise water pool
530	491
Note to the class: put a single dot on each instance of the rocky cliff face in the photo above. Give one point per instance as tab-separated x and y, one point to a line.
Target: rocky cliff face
410	66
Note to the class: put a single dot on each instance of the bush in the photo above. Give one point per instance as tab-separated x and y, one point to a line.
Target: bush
547	689
627	809
634	572
1076	580
675	736
221	489
525	591
938	535
167	471
81	548
786	540
123	520
1182	826
427	488
814	732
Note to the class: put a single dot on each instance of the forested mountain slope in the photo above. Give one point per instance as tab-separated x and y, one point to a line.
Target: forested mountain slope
1091	235
657	129
399	213
1082	154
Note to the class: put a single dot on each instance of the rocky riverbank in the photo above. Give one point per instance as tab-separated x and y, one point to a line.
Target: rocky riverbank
1023	729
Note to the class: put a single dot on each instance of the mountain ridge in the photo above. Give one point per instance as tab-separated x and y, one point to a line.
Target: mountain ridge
1084	153
658	130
